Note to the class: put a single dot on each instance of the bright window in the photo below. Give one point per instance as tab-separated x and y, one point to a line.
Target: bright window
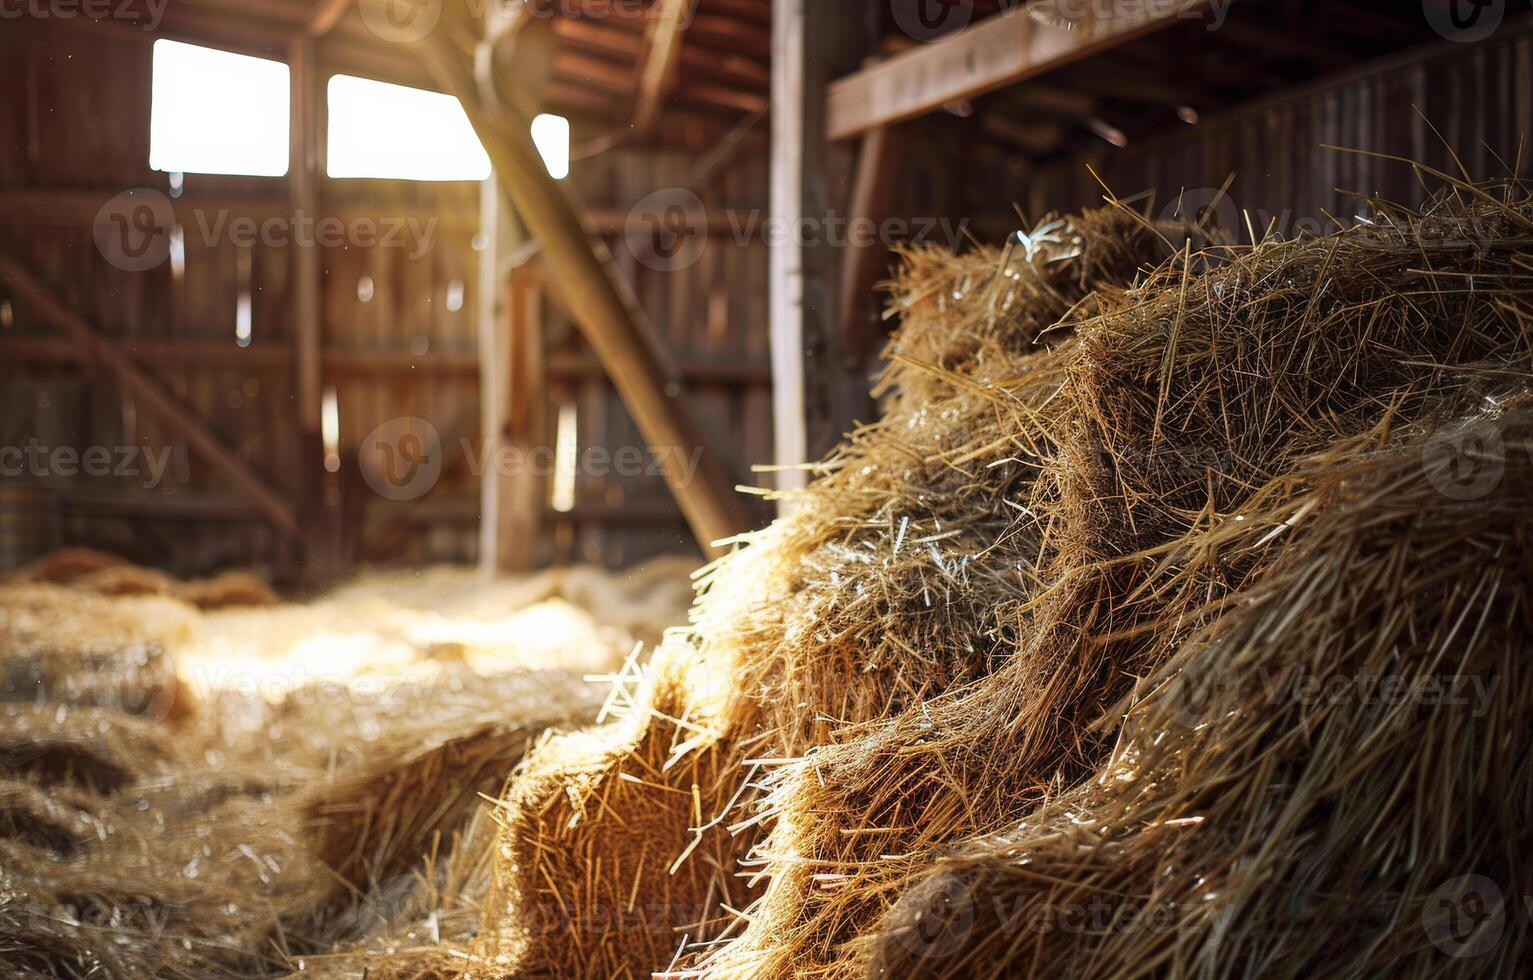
214	112
392	131
551	135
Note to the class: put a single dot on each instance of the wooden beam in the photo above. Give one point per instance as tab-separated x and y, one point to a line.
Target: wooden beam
303	191
152	396
660	66
606	310
184	355
327	16
998	51
866	258
785	299
526	492
815	397
319	507
494	376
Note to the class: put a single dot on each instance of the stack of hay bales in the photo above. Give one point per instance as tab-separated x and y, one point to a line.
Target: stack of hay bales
618	842
1005	659
103	574
155	826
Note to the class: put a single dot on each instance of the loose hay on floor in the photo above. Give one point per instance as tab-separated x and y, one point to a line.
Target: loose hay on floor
248	791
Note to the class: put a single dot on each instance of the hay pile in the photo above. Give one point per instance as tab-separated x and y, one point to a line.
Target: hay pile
1173	620
258	791
109	575
939	697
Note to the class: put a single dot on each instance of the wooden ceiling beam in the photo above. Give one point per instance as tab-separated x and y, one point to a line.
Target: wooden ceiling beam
660	65
327	16
996	52
606	310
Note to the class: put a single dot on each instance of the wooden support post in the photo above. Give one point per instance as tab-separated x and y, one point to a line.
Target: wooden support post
815	397
153	397
867	257
508	329
528	430
323	524
602	302
303	195
494	379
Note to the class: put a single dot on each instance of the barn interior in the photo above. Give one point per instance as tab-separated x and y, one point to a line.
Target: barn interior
542	488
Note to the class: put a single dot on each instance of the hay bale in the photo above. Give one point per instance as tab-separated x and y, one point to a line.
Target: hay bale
230	590
100	752
62	647
333	824
48	821
386	816
796	631
1198	395
126	580
65	566
612	838
1307	783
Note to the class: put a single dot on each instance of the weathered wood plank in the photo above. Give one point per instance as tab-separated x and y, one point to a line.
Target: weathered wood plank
998	51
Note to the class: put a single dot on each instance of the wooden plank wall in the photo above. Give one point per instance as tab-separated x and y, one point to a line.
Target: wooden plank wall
79	131
1479	97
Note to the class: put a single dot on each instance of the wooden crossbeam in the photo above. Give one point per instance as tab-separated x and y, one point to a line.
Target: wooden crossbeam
661	62
996	52
606	311
180	355
152	396
327	16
